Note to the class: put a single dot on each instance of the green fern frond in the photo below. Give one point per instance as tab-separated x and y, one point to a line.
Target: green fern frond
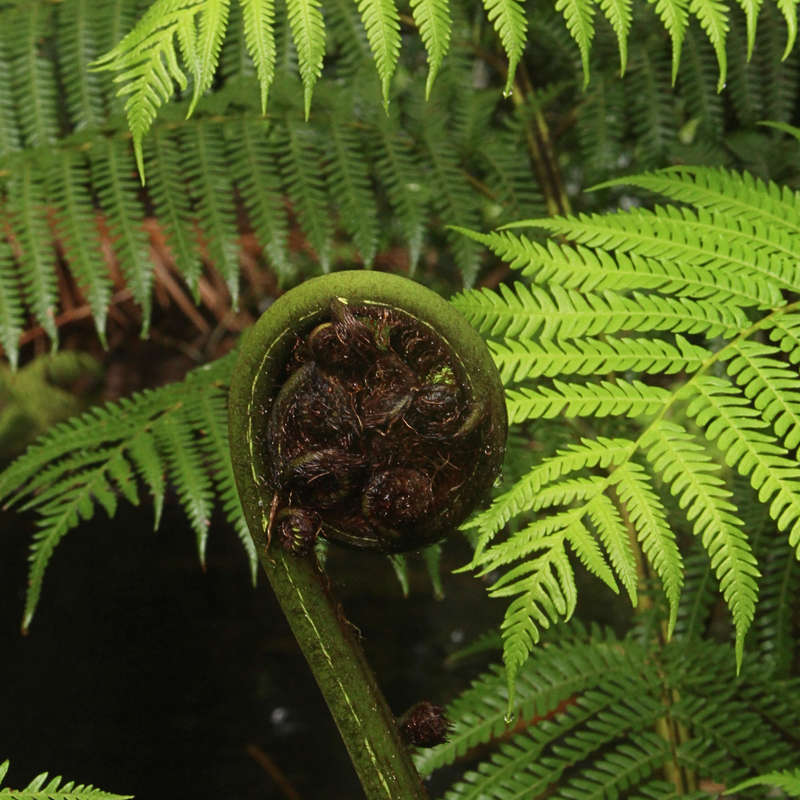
297	149
116	190
614	536
587	270
578	15
569	314
647	515
740	434
172	205
308	32
349	182
675	17
78	47
11	312
713	17
210	186
618	13
76	227
787	780
213	22
697	598
176	431
42	789
259	31
382	24
686	467
627	764
33	83
432	17
521	359
508	18
148	62
254	170
522	497
579	400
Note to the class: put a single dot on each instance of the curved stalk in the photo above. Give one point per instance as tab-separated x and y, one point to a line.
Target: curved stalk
328	641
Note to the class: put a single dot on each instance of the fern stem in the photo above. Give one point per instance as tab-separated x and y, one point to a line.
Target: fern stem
329	644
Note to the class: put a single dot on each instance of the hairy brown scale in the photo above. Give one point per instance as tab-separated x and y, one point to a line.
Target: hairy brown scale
371	436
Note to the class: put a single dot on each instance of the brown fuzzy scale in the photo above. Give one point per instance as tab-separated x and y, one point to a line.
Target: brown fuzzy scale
424	725
372	433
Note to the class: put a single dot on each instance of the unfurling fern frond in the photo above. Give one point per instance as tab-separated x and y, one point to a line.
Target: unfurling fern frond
177	432
741	392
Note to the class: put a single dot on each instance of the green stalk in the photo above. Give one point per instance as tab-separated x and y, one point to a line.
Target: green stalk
328	642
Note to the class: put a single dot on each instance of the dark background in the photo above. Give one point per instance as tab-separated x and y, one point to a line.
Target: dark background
142	675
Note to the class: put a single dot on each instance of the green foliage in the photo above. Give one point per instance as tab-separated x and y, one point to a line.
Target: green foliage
740	390
786	780
177	433
588	699
40	789
41	395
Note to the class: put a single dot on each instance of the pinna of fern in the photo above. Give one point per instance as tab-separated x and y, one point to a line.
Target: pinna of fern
695	297
178	42
592	715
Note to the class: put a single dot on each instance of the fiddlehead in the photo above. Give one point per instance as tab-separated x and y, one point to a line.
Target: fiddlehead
364	409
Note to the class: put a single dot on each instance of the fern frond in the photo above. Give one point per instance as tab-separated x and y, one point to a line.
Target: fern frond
618	13
298	158
699	593
740	196
213	23
172	205
627	764
349	183
76	227
674	14
737	430
522	497
578	15
382	24
569	314
520	359
34	85
11	312
254	171
92	459
614	536
787	780
28	217
42	789
597	674
684	465
451	196
211	187
116	191
508	18
259	32
148	62
587	270
78	47
682	235
713	17
772	386
646	513
308	32
590	399
396	163
546	586
432	17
